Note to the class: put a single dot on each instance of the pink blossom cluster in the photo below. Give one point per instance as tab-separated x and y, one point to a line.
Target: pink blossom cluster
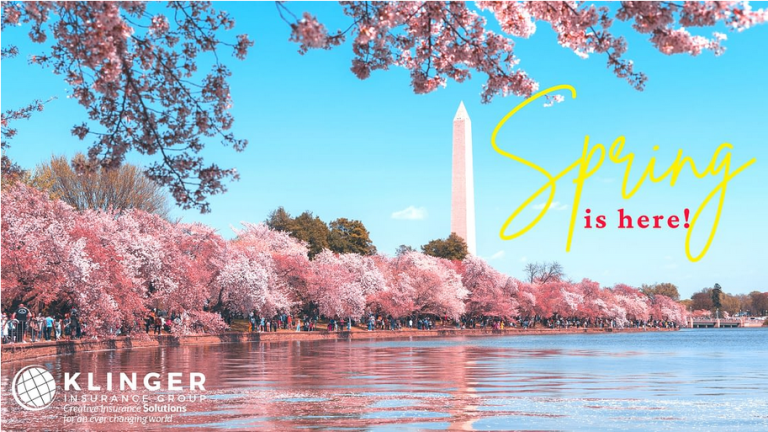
111	267
420	284
309	33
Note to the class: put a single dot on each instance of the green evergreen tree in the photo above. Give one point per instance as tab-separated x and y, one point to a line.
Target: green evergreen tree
280	220
312	230
452	248
350	236
717	294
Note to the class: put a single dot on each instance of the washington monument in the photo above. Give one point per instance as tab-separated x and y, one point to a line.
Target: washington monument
462	185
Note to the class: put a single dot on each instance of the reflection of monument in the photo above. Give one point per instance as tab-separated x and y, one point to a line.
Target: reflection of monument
463	187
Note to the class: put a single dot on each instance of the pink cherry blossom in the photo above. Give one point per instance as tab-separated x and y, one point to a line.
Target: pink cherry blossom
341	284
441	41
490	293
422	284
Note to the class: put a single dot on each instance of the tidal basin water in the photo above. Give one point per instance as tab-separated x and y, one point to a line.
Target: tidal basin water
709	379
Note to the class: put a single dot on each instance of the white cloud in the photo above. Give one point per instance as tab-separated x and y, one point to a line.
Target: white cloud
523	259
556	205
498	255
411	213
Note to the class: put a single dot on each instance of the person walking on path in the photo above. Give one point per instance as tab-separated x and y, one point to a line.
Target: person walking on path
34	327
4	328
21	316
48	332
158	325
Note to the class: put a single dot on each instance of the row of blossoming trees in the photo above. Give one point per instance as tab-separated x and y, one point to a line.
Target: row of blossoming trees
113	267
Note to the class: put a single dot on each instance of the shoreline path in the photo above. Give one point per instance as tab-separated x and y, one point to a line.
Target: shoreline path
18	351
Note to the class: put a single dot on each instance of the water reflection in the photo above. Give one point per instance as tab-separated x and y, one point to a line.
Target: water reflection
654	381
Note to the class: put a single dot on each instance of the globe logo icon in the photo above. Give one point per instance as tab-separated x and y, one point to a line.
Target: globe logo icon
33	388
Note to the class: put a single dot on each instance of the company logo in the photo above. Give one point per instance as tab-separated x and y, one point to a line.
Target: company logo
33	388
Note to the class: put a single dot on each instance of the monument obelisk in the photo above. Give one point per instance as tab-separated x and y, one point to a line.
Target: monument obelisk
462	184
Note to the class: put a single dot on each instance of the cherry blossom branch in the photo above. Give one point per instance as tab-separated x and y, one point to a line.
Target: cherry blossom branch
406	35
141	87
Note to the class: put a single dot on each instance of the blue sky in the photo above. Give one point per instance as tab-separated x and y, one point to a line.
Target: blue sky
324	141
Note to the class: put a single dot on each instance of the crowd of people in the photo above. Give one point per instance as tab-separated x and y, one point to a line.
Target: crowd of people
24	326
375	322
264	324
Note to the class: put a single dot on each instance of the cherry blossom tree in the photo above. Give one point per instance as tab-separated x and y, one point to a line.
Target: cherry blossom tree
423	284
572	301
261	237
56	257
632	302
526	298
289	257
395	299
259	269
203	250
491	293
174	264
590	299
195	254
341	284
245	283
42	262
438	41
616	312
664	308
196	321
549	298
109	298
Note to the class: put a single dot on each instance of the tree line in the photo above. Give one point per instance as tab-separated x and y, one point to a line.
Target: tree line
320	255
113	266
350	236
712	299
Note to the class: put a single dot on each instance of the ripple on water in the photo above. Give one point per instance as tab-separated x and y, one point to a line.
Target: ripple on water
404	414
696	380
395	403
